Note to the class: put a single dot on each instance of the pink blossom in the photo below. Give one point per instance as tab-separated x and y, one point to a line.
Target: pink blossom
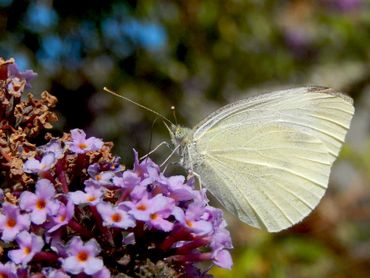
35	166
29	245
92	195
80	144
115	216
41	203
62	217
12	222
82	257
153	211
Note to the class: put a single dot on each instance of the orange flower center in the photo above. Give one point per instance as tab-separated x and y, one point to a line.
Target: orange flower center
91	198
82	256
82	146
11	222
189	223
41	204
98	177
116	217
141	207
26	250
154	216
62	217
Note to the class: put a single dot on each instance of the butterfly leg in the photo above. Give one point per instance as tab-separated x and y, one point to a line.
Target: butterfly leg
191	173
156	148
171	154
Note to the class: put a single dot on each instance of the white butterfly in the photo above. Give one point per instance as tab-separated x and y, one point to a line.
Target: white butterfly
267	159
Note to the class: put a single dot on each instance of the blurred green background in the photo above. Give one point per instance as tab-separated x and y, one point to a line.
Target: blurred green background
199	55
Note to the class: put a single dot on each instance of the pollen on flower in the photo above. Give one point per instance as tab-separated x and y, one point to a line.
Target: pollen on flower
82	146
98	177
40	204
154	216
11	222
82	256
116	217
91	198
26	250
141	207
62	217
189	223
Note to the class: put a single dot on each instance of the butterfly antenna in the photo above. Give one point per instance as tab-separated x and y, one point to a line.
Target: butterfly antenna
137	104
173	108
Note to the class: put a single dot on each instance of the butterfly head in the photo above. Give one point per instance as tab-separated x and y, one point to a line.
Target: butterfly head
178	134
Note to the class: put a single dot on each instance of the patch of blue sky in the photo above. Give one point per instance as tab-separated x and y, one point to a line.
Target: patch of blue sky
40	17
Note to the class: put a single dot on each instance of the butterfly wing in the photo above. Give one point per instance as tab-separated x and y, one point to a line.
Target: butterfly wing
267	159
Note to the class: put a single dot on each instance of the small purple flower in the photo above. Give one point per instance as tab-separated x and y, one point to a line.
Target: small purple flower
82	257
215	216
147	170
128	180
221	239
62	217
92	195
99	177
115	216
176	188
27	75
41	203
8	270
53	147
12	222
222	258
153	211
35	166
192	219
29	244
138	192
80	144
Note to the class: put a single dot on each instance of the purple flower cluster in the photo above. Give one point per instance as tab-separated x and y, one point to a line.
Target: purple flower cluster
83	218
70	209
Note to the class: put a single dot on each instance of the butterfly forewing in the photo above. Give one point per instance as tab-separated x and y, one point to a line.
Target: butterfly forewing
268	159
